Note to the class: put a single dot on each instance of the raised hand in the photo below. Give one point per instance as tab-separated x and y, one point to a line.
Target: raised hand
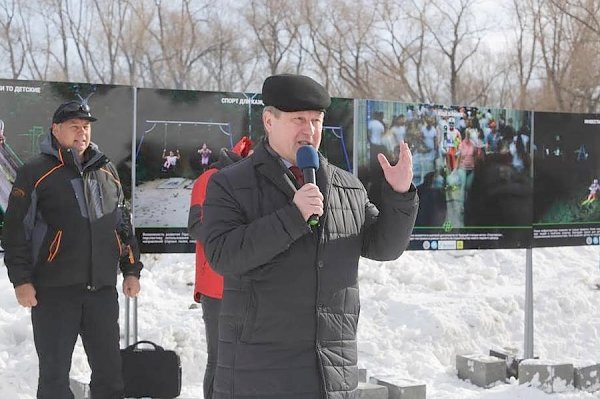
400	175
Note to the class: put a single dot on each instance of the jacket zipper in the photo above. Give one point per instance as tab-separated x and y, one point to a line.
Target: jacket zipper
119	244
91	285
319	265
54	246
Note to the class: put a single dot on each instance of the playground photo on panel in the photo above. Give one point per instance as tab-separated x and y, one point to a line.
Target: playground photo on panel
179	134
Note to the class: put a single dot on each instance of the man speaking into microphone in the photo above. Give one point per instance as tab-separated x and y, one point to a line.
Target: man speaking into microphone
290	302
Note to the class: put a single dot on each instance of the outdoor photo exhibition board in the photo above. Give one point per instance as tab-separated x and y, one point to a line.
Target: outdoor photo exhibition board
471	168
566	172
487	177
26	109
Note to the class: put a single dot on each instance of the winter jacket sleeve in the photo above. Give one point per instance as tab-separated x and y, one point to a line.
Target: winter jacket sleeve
17	229
129	261
234	246
198	196
388	229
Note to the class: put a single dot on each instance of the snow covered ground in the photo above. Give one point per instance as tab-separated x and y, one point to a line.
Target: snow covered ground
162	203
417	313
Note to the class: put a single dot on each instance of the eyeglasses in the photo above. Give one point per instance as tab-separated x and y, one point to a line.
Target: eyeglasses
84	107
77	108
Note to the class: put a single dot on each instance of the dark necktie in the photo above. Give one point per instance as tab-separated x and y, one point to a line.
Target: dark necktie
297	174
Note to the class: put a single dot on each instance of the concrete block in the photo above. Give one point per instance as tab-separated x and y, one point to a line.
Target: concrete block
362	375
371	391
587	378
547	376
401	388
81	390
482	370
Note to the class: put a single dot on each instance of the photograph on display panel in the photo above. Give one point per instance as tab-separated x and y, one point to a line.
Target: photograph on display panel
26	109
179	135
471	167
566	179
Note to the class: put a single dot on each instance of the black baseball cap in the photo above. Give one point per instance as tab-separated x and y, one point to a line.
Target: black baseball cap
290	93
72	110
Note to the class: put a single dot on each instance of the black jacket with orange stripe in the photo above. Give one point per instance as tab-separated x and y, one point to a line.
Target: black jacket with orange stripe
63	224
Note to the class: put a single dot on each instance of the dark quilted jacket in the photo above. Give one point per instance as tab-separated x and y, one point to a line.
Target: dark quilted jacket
291	305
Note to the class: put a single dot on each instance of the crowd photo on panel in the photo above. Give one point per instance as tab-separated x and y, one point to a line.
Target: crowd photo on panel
450	145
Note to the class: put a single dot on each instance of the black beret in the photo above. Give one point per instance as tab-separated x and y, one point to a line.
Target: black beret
290	93
72	110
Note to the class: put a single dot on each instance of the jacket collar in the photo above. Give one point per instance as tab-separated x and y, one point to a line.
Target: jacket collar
269	164
49	146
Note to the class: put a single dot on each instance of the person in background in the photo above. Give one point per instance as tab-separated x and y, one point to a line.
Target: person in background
399	128
594	188
208	286
467	161
376	128
2	139
66	230
205	154
290	307
452	139
169	161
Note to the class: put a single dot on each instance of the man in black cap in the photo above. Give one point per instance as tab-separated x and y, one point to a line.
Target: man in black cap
65	233
290	305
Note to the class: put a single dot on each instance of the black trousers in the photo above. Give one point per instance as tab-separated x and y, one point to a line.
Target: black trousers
63	313
211	307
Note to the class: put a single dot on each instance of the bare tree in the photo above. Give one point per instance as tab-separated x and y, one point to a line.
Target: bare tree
11	39
551	38
457	36
230	66
112	17
353	23
566	51
37	39
59	22
523	61
583	75
412	50
133	38
585	12
400	50
183	40
315	40
275	28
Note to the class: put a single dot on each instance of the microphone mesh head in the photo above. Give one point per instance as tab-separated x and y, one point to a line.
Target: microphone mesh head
307	157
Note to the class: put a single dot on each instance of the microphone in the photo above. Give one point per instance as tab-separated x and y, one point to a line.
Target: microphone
308	161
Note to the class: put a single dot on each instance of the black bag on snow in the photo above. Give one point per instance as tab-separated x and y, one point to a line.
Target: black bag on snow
154	373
